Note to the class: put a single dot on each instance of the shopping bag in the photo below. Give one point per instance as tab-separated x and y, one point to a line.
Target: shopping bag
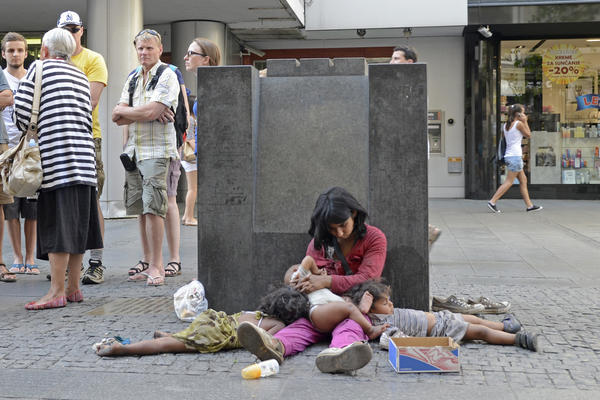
189	301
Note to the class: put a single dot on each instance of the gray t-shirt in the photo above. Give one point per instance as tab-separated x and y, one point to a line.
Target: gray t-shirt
3	86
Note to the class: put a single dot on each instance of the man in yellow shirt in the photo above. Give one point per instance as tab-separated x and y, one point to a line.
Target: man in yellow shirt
93	66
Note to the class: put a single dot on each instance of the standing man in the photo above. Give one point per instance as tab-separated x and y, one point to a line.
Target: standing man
403	55
6	100
14	51
408	55
93	66
151	143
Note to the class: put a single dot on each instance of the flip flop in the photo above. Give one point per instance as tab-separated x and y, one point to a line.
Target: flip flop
32	269
4	272
17	269
136	270
154	280
173	268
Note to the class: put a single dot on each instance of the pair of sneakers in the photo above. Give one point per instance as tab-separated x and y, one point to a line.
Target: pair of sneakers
495	209
332	360
481	305
94	274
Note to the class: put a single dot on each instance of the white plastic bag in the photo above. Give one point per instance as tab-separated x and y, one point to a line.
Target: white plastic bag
189	301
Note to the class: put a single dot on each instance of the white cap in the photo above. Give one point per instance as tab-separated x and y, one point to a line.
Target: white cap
68	18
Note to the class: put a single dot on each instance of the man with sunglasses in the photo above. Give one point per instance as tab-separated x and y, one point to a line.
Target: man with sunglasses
147	110
93	66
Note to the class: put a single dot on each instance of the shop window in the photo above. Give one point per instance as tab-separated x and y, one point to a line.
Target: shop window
557	83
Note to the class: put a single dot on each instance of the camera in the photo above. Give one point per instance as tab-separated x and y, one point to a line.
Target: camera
128	163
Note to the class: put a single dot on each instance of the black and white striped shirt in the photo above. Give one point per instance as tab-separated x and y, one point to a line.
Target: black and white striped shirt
64	123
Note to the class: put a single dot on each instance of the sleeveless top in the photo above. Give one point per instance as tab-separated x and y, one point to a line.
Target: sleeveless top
513	138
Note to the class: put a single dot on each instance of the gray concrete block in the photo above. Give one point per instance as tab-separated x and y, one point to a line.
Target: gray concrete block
269	147
313	135
350	66
398	176
317	67
282	67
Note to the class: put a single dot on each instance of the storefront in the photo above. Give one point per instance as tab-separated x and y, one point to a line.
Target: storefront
553	71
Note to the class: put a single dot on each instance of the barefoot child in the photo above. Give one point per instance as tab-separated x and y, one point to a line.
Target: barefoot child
327	309
374	297
213	331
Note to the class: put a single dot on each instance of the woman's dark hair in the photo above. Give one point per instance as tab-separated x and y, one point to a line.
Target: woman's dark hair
285	304
513	110
377	287
334	207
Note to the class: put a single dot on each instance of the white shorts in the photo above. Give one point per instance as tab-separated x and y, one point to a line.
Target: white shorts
189	167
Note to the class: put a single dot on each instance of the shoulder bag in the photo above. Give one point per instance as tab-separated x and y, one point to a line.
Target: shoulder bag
21	166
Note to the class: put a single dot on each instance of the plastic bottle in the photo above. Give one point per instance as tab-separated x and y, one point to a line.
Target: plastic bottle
260	370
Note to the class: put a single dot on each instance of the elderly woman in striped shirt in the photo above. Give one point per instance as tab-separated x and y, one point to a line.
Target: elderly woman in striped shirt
68	222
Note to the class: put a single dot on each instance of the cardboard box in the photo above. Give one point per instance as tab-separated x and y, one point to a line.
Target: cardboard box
424	354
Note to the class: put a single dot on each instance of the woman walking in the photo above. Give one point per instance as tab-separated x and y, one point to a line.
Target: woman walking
514	130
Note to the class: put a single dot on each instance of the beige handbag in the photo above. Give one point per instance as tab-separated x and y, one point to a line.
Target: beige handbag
188	152
21	166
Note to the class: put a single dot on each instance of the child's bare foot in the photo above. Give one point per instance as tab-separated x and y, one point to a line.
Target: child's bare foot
377	330
159	334
365	302
109	349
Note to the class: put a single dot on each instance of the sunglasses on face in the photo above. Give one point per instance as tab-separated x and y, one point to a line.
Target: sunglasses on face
193	53
72	29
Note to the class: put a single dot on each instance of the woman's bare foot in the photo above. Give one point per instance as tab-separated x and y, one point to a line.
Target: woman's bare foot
109	349
159	334
377	330
366	302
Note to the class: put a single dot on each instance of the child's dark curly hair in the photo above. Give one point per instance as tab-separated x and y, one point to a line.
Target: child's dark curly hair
285	304
377	287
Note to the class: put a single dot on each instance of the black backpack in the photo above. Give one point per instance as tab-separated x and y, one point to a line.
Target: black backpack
181	122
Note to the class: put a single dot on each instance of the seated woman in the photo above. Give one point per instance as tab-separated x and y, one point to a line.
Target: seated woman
340	236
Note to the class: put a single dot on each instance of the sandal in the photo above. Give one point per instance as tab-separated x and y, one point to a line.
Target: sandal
6	275
17	269
154	280
32	269
173	268
136	270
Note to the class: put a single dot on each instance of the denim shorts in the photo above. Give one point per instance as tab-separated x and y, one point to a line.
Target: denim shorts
514	163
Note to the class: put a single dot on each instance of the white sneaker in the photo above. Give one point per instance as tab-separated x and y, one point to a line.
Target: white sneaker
347	359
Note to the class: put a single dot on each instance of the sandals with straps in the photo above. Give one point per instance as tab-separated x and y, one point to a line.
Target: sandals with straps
173	268
136	270
6	275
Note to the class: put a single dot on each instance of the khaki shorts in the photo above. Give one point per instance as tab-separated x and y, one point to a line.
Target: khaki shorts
99	166
146	188
4	198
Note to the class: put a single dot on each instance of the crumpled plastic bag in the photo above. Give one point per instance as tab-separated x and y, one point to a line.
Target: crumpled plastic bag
391	332
189	301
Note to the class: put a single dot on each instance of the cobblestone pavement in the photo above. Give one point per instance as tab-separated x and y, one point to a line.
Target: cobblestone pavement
545	264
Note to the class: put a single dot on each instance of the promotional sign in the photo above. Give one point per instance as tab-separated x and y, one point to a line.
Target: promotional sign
588	101
563	64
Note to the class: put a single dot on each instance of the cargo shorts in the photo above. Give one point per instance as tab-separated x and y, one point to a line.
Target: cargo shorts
99	166
145	190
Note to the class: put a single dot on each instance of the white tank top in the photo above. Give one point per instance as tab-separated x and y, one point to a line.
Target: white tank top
513	138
